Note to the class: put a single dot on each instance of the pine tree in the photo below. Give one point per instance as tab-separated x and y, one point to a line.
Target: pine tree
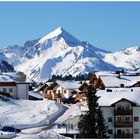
92	124
102	127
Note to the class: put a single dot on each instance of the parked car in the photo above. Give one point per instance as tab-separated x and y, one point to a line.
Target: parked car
10	129
7	135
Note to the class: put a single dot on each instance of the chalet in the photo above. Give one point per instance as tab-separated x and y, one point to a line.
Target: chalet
37	93
40	88
114	81
84	86
95	76
61	90
82	97
14	84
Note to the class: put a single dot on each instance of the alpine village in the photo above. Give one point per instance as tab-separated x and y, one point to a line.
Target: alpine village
59	90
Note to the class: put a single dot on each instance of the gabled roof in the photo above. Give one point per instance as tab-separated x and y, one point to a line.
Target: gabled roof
123	99
114	94
70	85
35	94
105	73
43	86
111	81
84	83
52	86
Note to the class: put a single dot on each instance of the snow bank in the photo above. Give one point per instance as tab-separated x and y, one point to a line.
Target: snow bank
49	134
7	135
24	114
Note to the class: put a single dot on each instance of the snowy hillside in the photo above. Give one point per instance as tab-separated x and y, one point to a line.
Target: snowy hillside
5	66
25	114
60	53
128	58
12	54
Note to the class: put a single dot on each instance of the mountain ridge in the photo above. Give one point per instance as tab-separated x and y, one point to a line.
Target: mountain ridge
59	53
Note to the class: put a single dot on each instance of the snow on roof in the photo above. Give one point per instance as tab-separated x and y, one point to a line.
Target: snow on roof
43	86
49	83
133	78
108	98
69	84
109	73
35	94
111	81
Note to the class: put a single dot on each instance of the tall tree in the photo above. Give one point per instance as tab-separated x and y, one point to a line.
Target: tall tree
102	127
92	124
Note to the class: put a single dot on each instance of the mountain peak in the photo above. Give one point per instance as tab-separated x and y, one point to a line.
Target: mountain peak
54	33
60	32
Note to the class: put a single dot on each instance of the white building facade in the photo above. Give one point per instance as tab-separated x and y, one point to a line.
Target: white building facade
123	119
15	90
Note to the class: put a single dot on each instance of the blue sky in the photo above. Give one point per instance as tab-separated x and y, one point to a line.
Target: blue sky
107	25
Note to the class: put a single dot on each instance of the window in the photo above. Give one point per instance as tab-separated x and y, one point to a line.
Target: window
110	131
65	91
127	119
127	131
118	119
118	107
58	91
136	119
119	131
136	131
4	90
10	89
109	119
109	90
121	85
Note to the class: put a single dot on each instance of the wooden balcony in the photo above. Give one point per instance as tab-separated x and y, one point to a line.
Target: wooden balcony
57	95
123	112
125	136
52	96
123	124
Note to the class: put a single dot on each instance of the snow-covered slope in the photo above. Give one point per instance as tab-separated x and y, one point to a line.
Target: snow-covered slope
128	58
25	114
5	66
12	54
60	53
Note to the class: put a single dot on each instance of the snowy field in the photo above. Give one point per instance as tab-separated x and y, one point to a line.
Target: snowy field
26	115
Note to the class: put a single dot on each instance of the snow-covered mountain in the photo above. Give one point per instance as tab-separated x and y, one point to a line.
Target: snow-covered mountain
60	53
4	65
128	58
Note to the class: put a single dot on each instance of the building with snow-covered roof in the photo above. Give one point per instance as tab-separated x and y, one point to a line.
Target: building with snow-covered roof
103	81
14	84
121	111
63	90
42	86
